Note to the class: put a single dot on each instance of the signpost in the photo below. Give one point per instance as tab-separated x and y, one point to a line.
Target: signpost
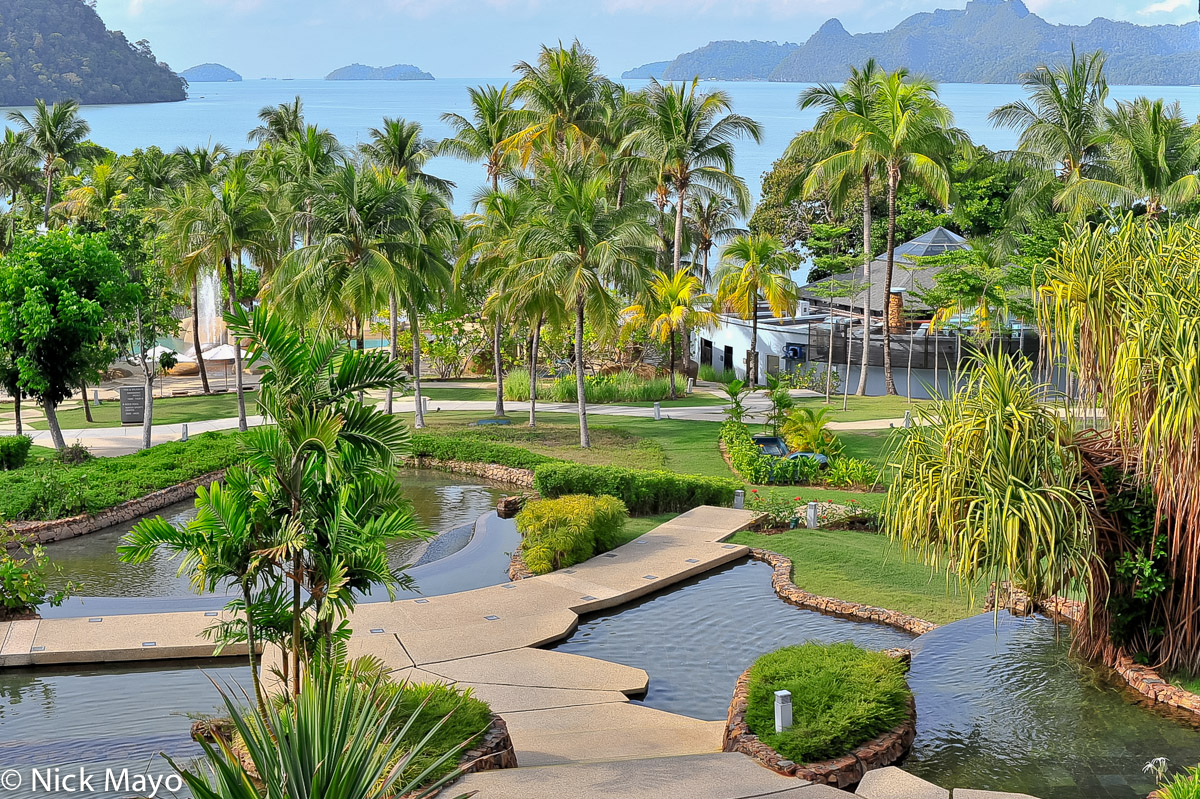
133	404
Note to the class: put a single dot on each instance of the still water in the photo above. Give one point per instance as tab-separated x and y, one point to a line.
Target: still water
225	112
1003	708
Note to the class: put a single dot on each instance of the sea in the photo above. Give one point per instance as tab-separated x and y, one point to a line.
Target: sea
226	112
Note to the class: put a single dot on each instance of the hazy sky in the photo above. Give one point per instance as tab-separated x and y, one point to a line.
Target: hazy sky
483	38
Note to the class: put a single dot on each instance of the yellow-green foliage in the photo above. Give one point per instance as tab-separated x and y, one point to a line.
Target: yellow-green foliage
561	532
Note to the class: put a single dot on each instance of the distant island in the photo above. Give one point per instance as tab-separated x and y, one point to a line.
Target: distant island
990	41
394	72
60	50
210	73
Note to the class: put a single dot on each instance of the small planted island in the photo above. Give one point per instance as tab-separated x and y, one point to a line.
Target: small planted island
394	72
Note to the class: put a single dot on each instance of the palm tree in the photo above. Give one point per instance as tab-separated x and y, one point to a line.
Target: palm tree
359	215
756	266
1151	156
907	133
218	226
674	304
482	138
713	219
56	134
1062	128
563	95
18	171
202	162
401	147
857	96
306	158
424	273
154	172
100	188
588	244
279	122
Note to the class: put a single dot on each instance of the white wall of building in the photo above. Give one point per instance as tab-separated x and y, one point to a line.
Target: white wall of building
734	333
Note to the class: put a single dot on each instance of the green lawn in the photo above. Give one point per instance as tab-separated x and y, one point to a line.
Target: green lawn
861	409
489	395
169	410
640	525
865	567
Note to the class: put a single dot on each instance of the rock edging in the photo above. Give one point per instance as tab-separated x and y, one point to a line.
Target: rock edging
517	569
45	532
841	772
488	471
494	751
781	581
1142	679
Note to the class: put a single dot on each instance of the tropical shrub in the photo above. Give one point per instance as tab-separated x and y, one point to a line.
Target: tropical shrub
760	469
737	391
343	736
444	714
52	490
14	451
644	492
1181	786
850	473
474	449
24	568
807	430
781	403
557	533
599	389
75	454
778	510
842	696
710	375
812	378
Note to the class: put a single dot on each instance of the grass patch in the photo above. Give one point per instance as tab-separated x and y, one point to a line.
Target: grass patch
50	490
861	409
169	410
867	568
638	526
842	696
466	717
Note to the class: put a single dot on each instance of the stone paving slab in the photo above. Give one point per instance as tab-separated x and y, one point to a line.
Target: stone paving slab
715	776
487	636
608	732
543	668
892	783
16	640
159	636
506	699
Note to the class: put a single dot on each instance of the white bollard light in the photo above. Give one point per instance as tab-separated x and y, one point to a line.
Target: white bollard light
657	412
184	436
783	710
739	499
424	405
96	396
691	384
813	517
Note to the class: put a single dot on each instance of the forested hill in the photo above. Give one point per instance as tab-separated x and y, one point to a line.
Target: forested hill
60	49
990	41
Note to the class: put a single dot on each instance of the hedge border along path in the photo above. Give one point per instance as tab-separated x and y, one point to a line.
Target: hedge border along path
841	772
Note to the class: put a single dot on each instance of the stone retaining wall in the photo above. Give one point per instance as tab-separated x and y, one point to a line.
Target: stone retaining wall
488	471
494	750
517	570
1142	679
781	581
59	529
841	772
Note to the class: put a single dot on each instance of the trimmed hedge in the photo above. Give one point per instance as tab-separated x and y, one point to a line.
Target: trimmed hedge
14	451
52	490
760	469
465	447
557	533
842	697
645	493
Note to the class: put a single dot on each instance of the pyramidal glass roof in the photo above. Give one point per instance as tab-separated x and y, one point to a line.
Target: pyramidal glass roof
935	242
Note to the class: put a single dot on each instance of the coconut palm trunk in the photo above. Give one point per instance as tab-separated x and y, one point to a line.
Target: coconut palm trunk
752	356
17	413
671	365
418	412
200	367
497	362
893	184
251	642
237	347
533	368
861	391
580	387
829	365
393	342
48	171
148	369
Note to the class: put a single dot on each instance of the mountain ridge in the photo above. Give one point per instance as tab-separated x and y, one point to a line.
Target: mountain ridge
210	73
988	41
363	72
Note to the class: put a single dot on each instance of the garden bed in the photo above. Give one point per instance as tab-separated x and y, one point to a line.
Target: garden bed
880	749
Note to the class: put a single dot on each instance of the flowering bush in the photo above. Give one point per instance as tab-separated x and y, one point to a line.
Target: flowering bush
23	573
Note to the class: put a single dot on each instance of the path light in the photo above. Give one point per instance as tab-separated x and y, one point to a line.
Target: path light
814	520
183	437
783	710
739	499
658	412
424	405
691	384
